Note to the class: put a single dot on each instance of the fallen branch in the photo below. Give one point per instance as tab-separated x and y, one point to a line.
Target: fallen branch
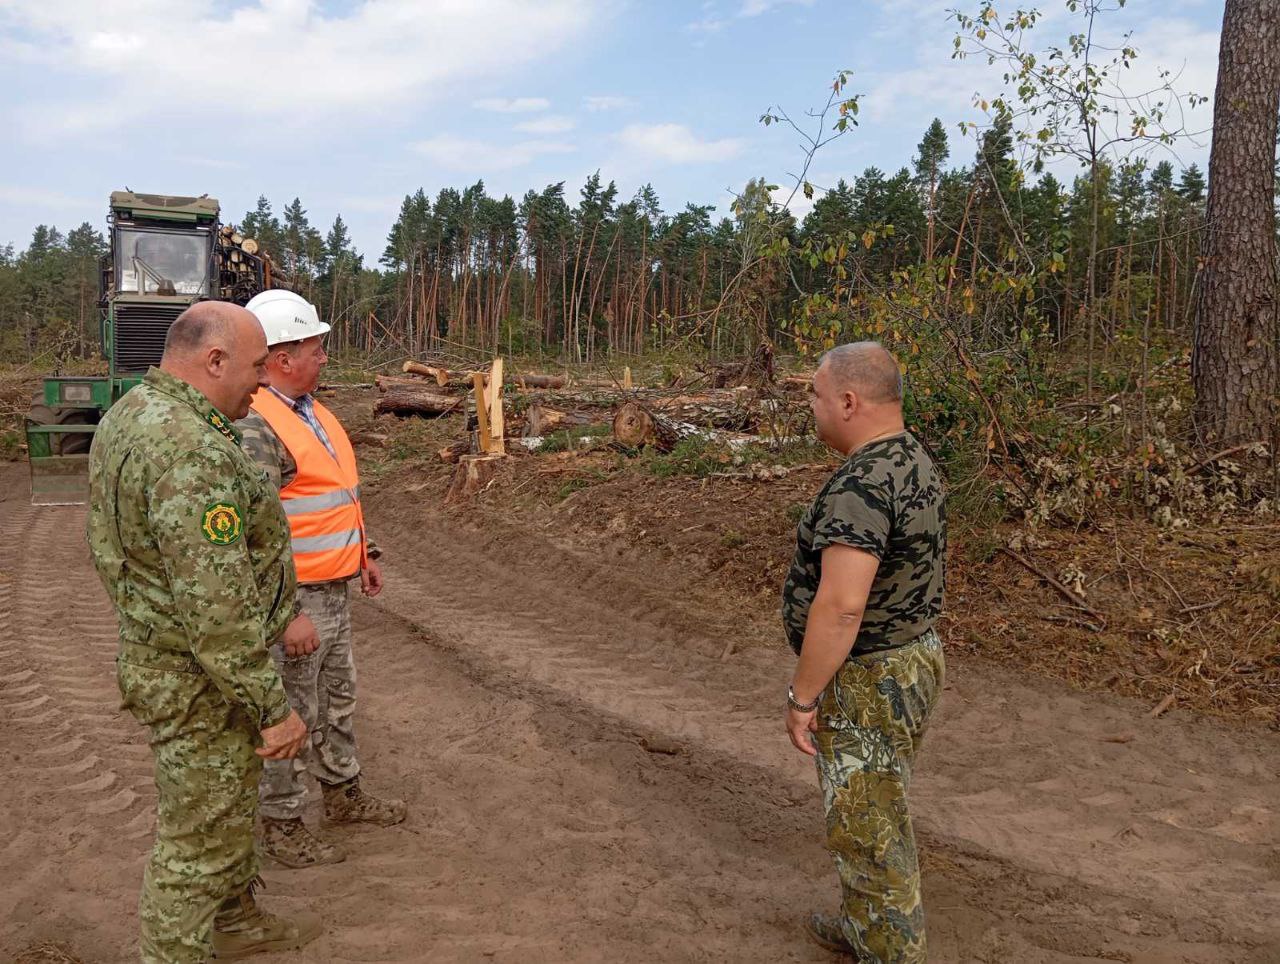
1066	593
1202	606
1222	455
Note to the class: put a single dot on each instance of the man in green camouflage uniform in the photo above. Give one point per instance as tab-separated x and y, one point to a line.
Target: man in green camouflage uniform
859	607
322	685
193	548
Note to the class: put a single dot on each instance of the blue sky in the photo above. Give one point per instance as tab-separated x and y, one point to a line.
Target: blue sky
350	105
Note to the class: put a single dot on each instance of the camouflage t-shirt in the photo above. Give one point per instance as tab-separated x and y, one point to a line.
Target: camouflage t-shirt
887	499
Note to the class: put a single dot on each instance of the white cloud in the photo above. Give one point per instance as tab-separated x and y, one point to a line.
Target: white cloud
799	205
473	155
605	102
675	143
939	86
299	62
713	22
512	105
708	25
753	8
36	197
547	125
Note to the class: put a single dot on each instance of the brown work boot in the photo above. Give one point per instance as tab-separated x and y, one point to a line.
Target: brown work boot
347	803
825	931
291	842
242	928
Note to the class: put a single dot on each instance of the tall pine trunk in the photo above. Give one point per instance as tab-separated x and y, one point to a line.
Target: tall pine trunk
1234	360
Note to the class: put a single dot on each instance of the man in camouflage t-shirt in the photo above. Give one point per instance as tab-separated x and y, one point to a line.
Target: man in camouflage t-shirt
859	607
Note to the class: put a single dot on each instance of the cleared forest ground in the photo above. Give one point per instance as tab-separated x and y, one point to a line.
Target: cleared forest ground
583	709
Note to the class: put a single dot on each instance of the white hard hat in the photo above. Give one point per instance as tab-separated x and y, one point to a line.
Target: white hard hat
286	316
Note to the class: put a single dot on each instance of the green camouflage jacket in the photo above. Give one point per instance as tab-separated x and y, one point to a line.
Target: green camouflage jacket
191	543
887	499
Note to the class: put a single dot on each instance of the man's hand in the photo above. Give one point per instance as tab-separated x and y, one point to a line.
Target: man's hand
799	726
286	739
371	579
300	637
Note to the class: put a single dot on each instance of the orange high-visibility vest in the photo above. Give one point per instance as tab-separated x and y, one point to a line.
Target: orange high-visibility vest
323	500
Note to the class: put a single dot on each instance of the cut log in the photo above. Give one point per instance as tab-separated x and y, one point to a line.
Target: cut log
442	376
445	376
635	426
473	473
390	383
537	381
404	402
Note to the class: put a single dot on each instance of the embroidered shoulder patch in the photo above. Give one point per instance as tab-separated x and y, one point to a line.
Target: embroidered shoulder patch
222	523
218	422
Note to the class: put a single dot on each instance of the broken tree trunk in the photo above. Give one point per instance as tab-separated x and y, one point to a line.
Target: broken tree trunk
636	426
400	401
538	420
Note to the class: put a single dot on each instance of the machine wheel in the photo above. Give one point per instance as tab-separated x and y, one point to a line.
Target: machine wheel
77	444
42	414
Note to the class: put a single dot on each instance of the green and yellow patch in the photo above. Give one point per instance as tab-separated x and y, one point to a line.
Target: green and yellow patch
223	425
222	523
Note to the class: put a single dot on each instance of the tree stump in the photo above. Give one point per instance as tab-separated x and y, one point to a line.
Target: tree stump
636	426
473	473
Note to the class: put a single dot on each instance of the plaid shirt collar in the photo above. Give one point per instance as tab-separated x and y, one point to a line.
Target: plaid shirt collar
306	410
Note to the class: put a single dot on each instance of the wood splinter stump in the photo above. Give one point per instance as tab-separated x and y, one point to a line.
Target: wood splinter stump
473	473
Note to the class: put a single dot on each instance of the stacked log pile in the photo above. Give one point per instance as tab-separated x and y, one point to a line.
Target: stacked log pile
244	268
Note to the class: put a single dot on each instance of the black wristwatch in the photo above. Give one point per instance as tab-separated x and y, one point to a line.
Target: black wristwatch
799	707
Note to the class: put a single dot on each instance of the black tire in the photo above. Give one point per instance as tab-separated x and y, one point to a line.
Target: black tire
61	443
77	444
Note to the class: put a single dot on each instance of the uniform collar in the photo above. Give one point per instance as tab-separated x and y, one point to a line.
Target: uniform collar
192	397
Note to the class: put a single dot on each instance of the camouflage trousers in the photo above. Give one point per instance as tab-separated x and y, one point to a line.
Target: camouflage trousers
206	783
322	688
871	721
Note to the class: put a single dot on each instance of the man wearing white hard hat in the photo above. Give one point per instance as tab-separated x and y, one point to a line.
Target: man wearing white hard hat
306	454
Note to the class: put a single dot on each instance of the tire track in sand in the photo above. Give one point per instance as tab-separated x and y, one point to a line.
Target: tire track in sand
1183	817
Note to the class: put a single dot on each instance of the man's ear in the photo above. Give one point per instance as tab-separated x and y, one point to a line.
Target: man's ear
214	360
851	403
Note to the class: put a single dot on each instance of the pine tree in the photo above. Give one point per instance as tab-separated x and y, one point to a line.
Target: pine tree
931	156
1236	359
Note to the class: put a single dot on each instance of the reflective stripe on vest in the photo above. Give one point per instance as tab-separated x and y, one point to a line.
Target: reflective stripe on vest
322	501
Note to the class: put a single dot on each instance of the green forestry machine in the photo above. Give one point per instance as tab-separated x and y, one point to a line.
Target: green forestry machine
166	254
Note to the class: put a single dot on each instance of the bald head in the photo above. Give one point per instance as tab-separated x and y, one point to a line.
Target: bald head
857	396
219	349
206	324
867	369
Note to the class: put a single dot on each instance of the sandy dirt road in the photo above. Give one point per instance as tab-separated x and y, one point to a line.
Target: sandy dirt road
515	691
